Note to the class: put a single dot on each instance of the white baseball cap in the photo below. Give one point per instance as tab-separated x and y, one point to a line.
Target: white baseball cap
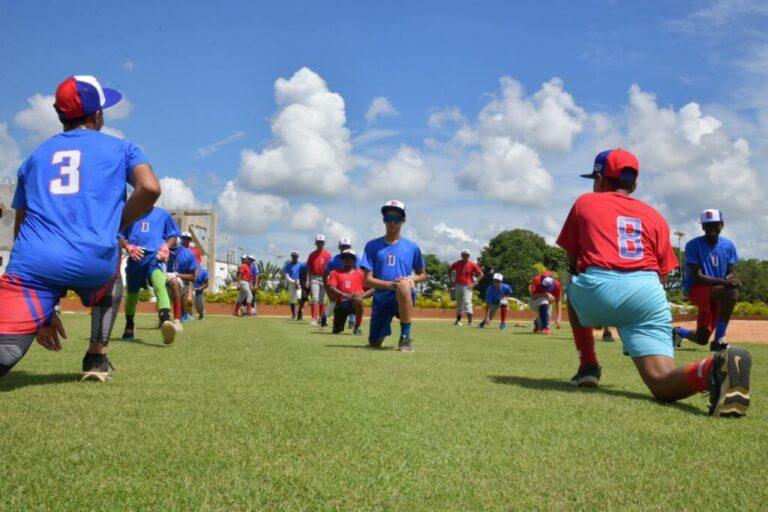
294	253
394	204
547	282
711	215
345	241
498	277
320	238
348	252
186	234
465	251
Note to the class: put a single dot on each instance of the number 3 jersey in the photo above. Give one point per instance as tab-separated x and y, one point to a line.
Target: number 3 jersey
73	188
612	231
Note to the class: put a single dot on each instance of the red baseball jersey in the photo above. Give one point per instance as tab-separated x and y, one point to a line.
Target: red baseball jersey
347	282
536	287
465	271
317	260
245	272
613	231
196	253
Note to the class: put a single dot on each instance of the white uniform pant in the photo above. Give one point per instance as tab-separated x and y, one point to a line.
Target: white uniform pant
464	299
244	292
294	292
316	290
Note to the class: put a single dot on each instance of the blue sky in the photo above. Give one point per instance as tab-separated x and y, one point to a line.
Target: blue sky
197	75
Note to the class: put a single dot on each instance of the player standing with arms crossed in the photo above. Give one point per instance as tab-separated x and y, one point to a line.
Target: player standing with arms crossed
618	252
497	297
463	274
710	283
392	266
70	202
316	279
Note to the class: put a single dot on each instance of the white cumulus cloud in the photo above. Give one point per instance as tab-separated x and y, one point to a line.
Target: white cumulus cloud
334	230
404	175
10	156
446	116
380	107
307	217
245	212
176	194
310	153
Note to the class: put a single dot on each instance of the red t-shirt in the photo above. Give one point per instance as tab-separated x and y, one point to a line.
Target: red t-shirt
245	272
316	262
536	287
612	231
465	271
196	253
347	282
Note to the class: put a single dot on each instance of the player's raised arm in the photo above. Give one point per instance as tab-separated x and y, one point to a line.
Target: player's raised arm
146	191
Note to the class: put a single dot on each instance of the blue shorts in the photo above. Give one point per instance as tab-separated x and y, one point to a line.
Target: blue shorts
633	302
383	310
139	273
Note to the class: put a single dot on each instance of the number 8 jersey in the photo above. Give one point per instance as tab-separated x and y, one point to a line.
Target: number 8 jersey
613	231
73	188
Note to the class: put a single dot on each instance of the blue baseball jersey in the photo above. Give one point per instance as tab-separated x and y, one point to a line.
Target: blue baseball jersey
302	271
182	261
390	261
337	263
713	259
494	296
152	230
292	269
254	269
73	189
201	278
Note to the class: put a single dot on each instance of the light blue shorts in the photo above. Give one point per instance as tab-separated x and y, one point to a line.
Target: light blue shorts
633	302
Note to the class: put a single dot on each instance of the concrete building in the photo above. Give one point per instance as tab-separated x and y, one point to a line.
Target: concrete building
7	217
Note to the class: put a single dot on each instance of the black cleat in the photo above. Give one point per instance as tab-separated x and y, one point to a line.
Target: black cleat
718	345
357	332
96	367
729	383
405	344
677	340
588	376
127	334
607	337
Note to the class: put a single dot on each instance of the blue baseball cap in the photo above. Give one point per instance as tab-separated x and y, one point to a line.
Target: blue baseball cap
82	95
615	163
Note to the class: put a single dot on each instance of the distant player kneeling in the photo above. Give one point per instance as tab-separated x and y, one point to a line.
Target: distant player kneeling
346	287
497	298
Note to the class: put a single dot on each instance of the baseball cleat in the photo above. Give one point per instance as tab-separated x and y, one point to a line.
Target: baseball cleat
481	325
168	331
177	325
457	323
503	325
405	344
608	337
677	340
96	367
357	332
376	344
718	345
729	383
313	322
127	334
588	376
546	331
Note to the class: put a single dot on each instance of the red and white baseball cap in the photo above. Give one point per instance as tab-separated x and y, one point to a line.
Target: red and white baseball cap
348	252
710	216
345	241
320	238
394	204
498	277
82	95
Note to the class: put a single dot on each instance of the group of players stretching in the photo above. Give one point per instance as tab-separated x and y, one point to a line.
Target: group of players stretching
71	201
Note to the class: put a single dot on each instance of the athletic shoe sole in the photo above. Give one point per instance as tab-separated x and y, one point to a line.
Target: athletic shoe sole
95	375
168	330
734	388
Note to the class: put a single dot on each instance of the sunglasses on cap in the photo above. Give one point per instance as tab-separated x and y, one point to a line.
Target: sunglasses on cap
390	217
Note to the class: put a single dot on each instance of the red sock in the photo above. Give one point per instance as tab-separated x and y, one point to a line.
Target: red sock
585	345
313	307
237	309
322	309
503	314
177	310
358	320
248	308
697	374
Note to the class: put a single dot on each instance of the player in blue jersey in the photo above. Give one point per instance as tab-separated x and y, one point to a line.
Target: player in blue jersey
147	242
181	274
291	274
392	265
337	263
709	282
70	201
497	298
201	284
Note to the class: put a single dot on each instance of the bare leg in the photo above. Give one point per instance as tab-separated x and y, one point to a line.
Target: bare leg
666	381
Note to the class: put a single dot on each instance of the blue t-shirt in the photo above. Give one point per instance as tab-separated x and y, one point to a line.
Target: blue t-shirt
337	263
302	271
292	269
73	188
713	259
182	261
390	261
201	278
152	230
494	296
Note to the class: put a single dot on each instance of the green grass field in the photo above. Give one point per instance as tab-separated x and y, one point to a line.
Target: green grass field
266	414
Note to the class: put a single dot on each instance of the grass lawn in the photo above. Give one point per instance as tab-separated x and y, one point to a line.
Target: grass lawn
266	414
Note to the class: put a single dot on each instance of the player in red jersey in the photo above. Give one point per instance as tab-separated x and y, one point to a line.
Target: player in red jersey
464	274
545	290
346	287
316	263
244	287
619	251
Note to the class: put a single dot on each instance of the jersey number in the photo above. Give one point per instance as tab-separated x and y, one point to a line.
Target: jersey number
390	260
68	181
347	284
630	238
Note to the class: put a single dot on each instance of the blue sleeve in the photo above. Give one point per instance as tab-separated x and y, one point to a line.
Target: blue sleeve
692	254
124	233
170	229
133	157
509	290
255	270
734	257
20	196
418	259
194	265
369	254
488	294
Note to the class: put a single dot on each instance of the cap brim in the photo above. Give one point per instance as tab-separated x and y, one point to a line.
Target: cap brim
111	97
385	208
589	176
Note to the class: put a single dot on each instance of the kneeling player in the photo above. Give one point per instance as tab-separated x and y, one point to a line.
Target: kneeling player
710	283
545	290
70	202
180	278
201	284
392	265
619	251
497	298
346	286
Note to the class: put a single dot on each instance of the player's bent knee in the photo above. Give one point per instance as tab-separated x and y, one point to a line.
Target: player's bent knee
9	356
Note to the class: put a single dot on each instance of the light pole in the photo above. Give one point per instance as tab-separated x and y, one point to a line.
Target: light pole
680	235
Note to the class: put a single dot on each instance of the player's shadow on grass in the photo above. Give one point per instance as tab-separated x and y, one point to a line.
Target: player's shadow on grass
566	387
20	379
364	347
139	341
